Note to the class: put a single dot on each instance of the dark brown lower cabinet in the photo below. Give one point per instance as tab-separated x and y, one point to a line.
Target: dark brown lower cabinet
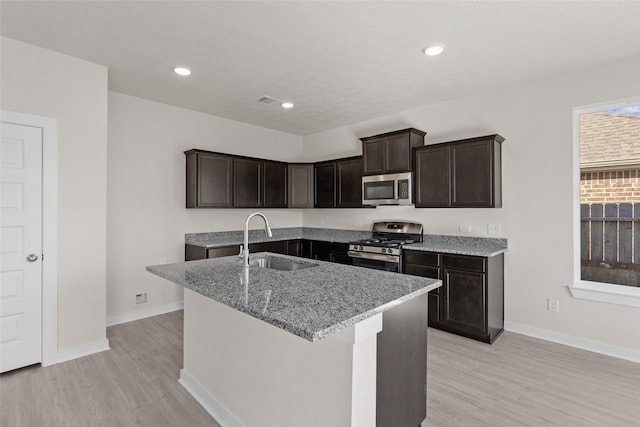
332	252
335	252
470	301
193	252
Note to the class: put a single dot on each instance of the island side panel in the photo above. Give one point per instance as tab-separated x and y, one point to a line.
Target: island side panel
402	365
265	376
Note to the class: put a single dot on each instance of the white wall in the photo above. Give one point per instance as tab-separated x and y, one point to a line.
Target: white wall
536	217
147	219
46	83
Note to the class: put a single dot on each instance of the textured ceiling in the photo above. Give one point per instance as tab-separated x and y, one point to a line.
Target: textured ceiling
339	62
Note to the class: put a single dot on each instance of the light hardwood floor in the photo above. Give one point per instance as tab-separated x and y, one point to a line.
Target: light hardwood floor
519	381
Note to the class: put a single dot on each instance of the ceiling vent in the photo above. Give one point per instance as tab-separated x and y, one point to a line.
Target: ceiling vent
268	100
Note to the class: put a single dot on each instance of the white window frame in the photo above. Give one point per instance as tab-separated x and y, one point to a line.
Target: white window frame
583	289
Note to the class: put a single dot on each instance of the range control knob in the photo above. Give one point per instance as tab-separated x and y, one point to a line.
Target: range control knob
384	250
360	247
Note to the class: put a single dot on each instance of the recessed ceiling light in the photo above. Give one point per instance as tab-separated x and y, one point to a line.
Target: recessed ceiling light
182	71
287	105
433	50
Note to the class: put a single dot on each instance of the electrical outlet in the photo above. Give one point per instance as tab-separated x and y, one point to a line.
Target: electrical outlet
163	260
465	228
322	222
494	229
553	305
218	226
140	299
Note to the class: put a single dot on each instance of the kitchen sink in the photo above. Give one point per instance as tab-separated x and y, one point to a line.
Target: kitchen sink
278	263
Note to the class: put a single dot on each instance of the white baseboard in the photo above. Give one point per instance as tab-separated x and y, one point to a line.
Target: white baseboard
573	341
144	313
213	406
81	350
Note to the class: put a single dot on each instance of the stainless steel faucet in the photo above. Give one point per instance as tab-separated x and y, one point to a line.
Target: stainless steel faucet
245	248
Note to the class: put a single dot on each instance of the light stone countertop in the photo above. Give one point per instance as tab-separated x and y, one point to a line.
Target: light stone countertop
229	238
311	303
462	245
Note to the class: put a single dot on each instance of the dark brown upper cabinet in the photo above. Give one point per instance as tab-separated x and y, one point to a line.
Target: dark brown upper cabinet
247	180
338	183
209	180
217	180
300	185
390	152
259	183
349	183
433	176
460	174
274	184
325	184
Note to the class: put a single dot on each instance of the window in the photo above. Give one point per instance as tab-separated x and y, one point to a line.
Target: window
607	202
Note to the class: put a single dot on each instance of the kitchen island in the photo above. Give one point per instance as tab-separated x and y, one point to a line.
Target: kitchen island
322	345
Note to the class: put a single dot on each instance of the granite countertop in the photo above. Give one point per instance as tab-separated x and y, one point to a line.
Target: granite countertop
462	245
312	303
228	238
478	246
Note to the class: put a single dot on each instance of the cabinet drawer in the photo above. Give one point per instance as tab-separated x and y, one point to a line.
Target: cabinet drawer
223	251
465	262
422	258
422	270
319	246
279	247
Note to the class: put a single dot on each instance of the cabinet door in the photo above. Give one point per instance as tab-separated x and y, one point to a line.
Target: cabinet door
246	183
465	301
373	151
209	180
278	247
325	185
300	185
426	264
274	185
349	173
433	176
397	154
223	251
472	165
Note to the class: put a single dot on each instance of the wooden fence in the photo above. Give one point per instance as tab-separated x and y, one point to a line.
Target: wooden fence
610	242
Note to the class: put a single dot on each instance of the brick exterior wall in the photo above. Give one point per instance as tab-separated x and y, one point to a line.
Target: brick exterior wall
610	186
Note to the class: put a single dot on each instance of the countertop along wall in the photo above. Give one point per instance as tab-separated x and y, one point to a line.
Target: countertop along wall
536	217
47	83
147	218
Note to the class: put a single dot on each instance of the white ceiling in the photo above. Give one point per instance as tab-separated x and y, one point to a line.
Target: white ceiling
339	62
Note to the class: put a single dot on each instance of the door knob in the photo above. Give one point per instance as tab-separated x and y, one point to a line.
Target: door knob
32	257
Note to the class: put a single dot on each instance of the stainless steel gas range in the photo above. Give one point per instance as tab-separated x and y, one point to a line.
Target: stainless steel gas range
383	250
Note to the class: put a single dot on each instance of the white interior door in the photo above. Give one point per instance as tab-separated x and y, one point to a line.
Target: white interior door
20	246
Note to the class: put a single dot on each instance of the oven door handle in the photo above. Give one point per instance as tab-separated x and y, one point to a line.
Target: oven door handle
376	257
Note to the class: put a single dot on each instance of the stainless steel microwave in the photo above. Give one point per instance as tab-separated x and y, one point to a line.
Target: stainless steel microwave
389	189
